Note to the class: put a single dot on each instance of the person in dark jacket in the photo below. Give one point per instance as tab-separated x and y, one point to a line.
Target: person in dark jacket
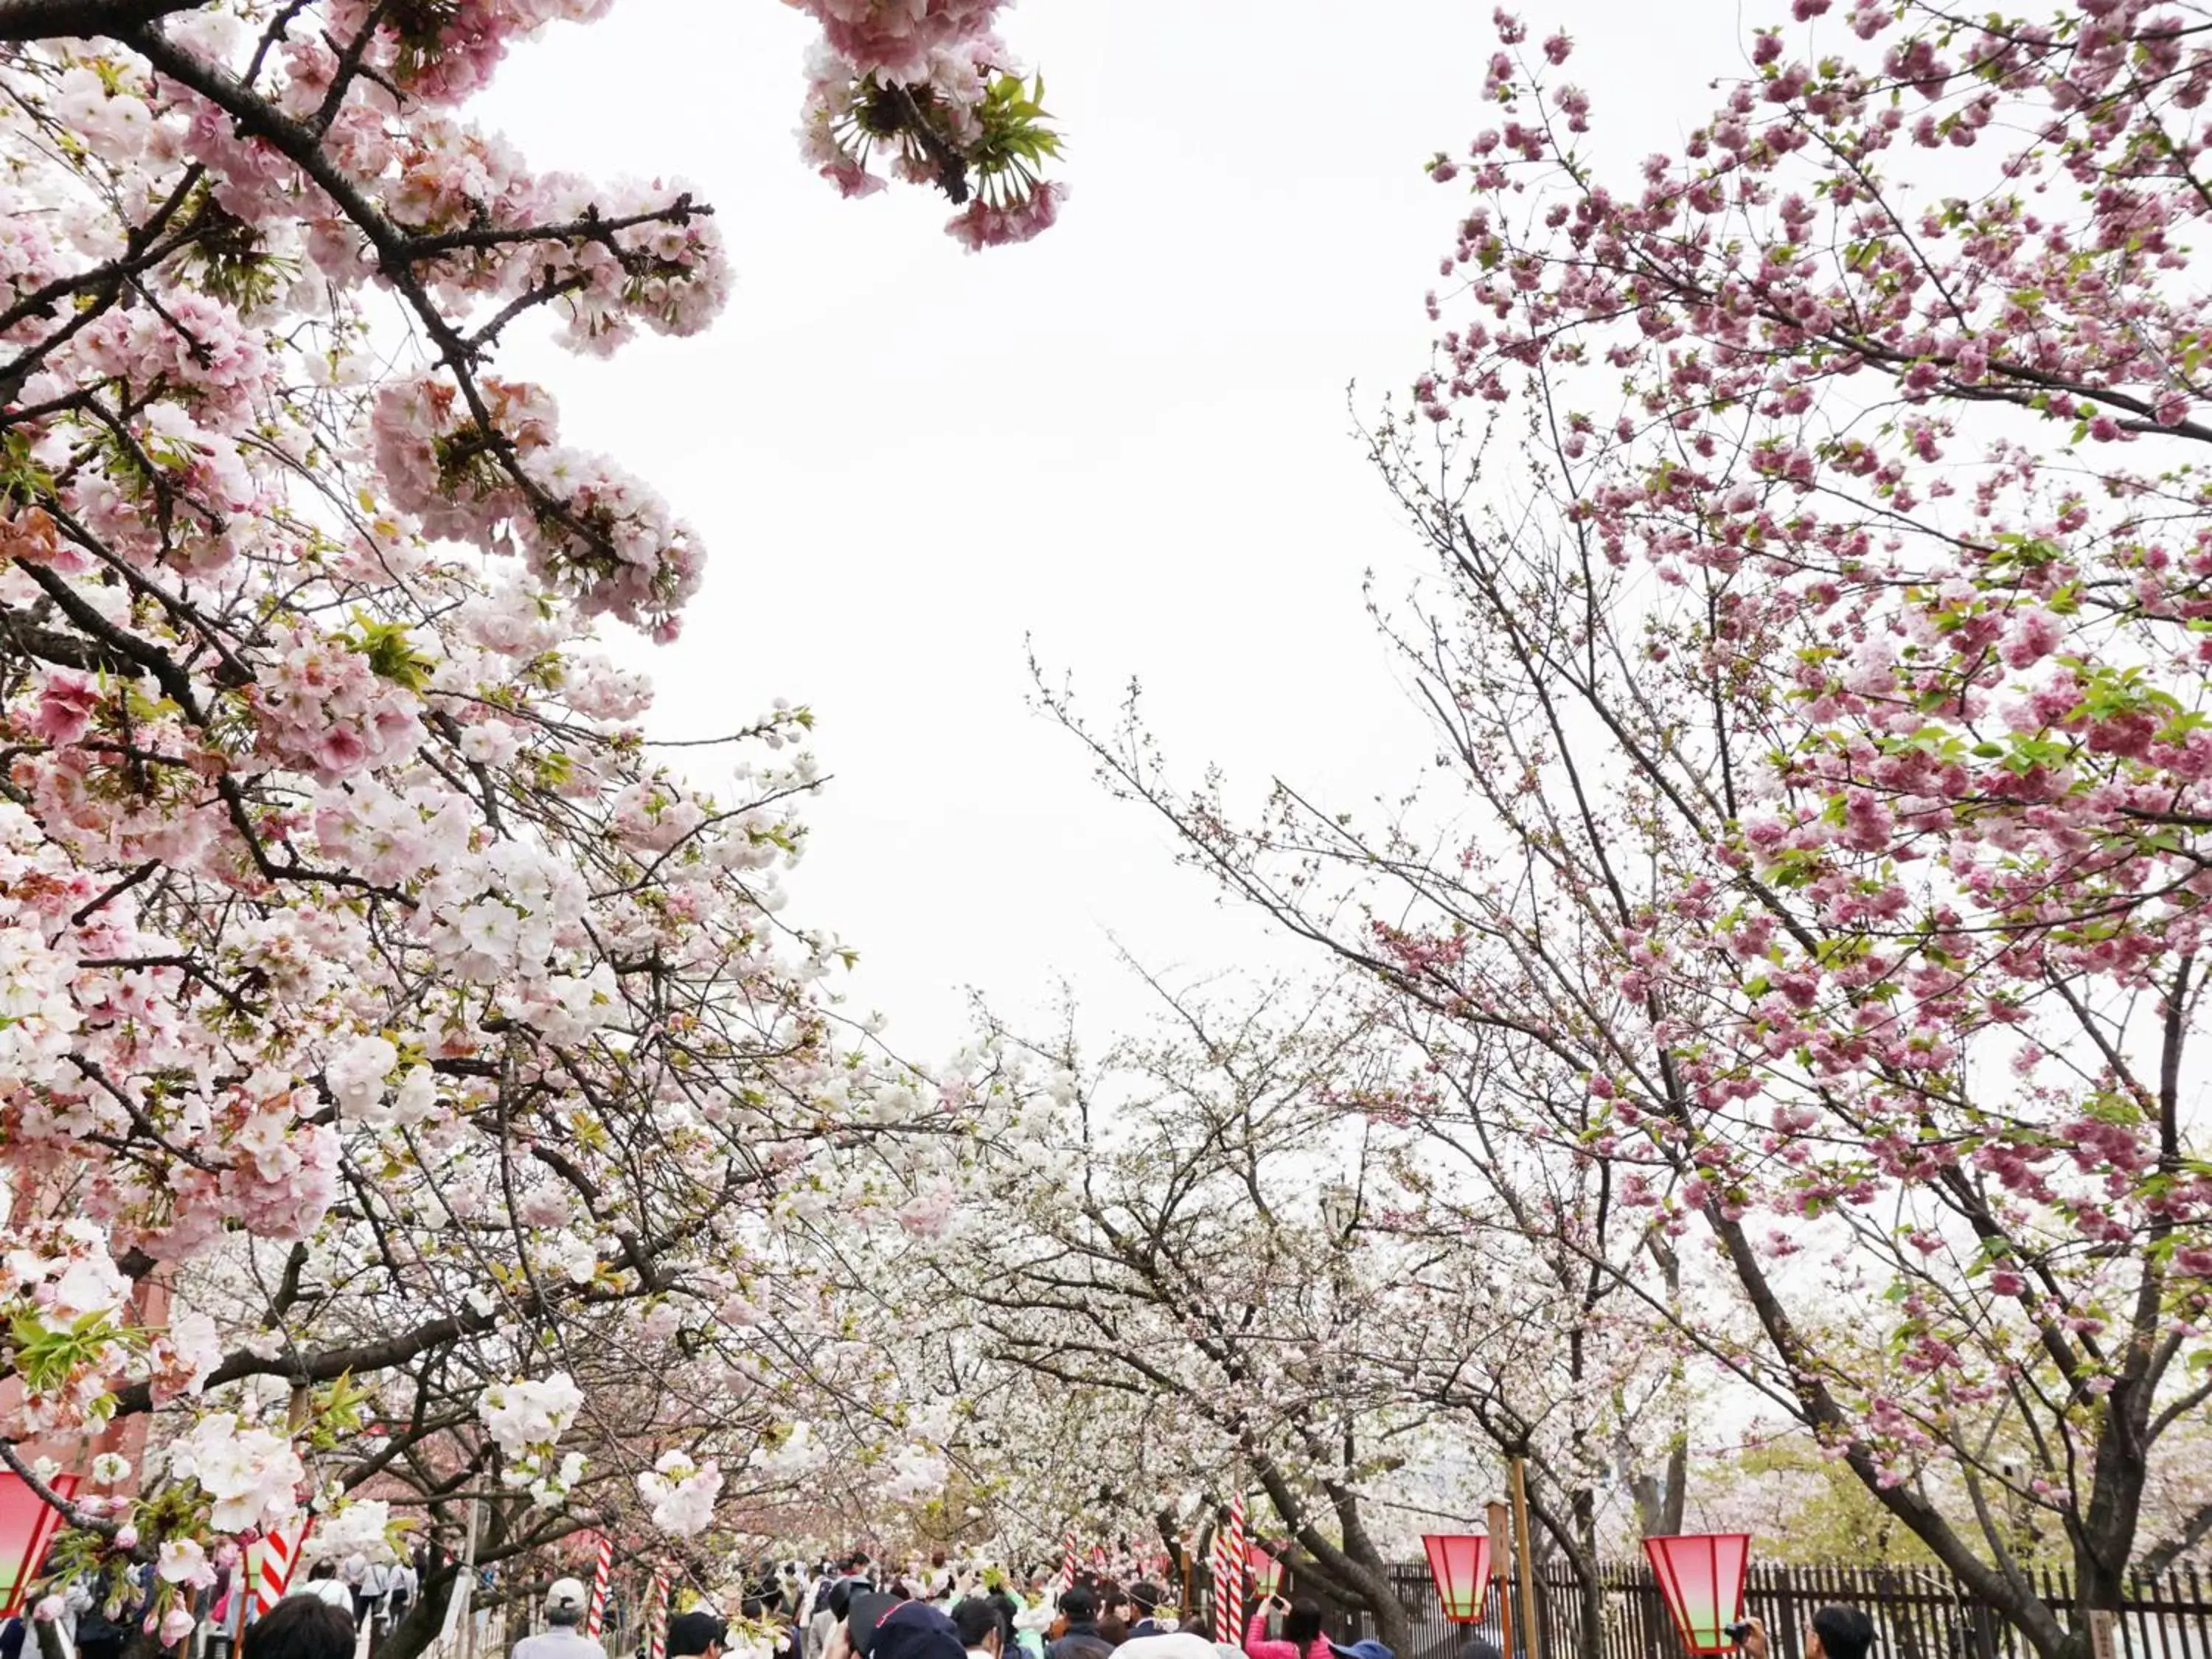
1144	1601
1081	1639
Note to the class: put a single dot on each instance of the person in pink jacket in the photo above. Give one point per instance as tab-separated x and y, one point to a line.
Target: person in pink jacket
1301	1637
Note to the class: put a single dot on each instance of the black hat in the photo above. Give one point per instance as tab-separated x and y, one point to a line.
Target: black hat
912	1630
691	1633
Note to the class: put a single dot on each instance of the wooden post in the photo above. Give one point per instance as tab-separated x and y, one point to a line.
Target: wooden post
1186	1553
1531	1632
1496	1517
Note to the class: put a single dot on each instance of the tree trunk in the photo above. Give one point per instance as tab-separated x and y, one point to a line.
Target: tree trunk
1590	1604
419	1626
1356	1566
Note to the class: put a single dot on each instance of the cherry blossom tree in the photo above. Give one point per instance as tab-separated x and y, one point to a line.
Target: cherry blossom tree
1817	646
370	982
1145	1229
1533	1326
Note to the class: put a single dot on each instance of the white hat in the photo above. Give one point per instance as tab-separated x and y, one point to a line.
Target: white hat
565	1596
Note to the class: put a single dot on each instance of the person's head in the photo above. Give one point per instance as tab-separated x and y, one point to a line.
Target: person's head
305	1627
857	1562
914	1629
324	1568
1145	1598
981	1624
1301	1624
840	1597
936	1558
1839	1632
697	1635
564	1602
1079	1604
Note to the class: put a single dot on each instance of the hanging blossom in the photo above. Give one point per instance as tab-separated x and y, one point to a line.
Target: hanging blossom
930	93
250	1475
526	1417
352	1526
681	1493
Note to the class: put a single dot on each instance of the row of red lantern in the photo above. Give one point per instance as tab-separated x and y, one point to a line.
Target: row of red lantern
1701	1575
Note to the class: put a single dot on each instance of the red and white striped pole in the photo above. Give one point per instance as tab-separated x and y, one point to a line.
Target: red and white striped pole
656	1617
277	1557
602	1571
1229	1576
1215	1574
1068	1564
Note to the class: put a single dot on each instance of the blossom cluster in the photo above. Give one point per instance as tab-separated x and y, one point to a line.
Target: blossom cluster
929	85
681	1493
1844	535
334	862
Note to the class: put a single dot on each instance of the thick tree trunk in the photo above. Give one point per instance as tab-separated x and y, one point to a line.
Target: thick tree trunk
419	1626
1356	1566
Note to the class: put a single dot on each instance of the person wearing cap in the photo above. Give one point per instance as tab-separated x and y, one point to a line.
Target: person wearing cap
563	1636
911	1630
1369	1648
698	1634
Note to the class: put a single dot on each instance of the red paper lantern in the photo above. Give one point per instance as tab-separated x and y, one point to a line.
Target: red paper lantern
1266	1570
26	1527
1701	1575
1460	1563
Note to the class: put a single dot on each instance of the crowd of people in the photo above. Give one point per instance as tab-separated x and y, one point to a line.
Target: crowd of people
983	1623
851	1610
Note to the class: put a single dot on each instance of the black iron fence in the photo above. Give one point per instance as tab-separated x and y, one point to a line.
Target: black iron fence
1919	1613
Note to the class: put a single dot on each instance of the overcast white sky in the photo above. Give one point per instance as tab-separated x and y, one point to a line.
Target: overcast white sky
1127	440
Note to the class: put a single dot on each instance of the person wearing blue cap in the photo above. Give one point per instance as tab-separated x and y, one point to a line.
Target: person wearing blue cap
912	1630
1368	1648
